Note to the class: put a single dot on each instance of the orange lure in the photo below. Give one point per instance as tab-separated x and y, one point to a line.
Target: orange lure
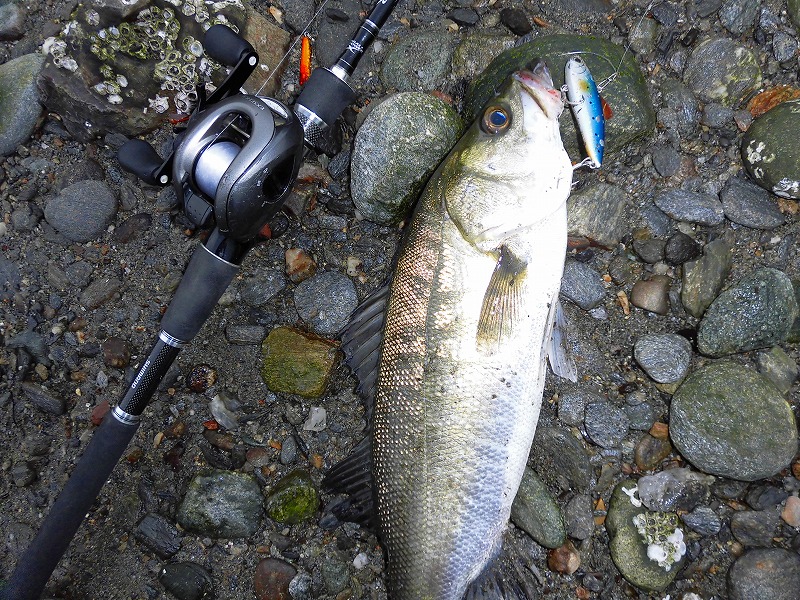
305	59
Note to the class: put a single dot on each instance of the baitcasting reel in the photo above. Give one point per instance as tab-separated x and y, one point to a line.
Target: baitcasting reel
239	155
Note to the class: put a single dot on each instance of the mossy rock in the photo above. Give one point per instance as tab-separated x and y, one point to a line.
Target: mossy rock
296	362
294	499
628	96
771	157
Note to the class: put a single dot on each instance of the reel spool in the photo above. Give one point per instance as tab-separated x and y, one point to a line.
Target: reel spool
239	160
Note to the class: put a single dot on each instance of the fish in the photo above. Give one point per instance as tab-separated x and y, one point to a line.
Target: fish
588	108
451	354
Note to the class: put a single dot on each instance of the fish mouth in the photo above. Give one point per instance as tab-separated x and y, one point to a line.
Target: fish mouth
538	83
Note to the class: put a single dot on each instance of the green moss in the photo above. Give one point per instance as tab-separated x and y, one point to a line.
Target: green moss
294	499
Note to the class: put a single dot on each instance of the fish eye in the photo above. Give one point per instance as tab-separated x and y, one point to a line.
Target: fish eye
495	119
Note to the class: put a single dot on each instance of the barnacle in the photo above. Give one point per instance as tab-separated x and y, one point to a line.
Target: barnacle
663	536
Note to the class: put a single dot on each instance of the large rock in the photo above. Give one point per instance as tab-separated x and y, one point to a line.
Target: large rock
771	157
408	68
756	312
222	504
396	149
721	70
730	421
628	96
19	101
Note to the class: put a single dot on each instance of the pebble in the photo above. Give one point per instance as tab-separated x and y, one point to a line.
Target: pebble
317	419
43	398
772	573
579	517
132	228
516	21
755	528
33	343
300	587
666	160
465	17
12	22
791	511
721	70
572	405
335	573
762	497
272	578
681	248
703	520
582	285
756	312
407	69
201	377
296	362
288	450
778	367
300	265
750	205
222	504
703	278
245	335
158	534
650	452
536	512
652	294
386	177
22	474
19	104
116	353
564	559
561	460
222	413
606	425
730	421
82	211
650	250
326	301
664	357
267	283
673	490
680	100
294	499
187	581
597	213
738	16
716	115
784	46
693	207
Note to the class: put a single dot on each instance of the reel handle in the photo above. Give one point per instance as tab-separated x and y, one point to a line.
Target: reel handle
225	45
140	158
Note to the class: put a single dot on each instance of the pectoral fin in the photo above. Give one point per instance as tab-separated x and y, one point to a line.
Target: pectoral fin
501	302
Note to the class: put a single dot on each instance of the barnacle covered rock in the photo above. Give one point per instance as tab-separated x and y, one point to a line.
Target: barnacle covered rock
120	65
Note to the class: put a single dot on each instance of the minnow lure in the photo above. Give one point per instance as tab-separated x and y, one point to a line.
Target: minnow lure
588	108
305	59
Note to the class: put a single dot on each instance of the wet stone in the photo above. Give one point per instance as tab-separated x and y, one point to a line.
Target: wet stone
778	367
262	286
772	573
465	17
23	474
693	207
606	425
765	496
326	301
99	292
295	362
33	343
116	353
79	273
579	517
187	581
664	357
720	70
158	534
222	504
515	20
681	248
750	205
683	105
19	104
82	211
272	578
245	335
536	512
650	452
674	489
582	285
704	277
703	520
407	69
650	251
756	312
561	460
597	213
716	115
288	451
784	46
293	499
132	228
12	22
43	398
771	157
572	405
730	421
666	160
652	294
755	528
738	16
640	416
335	573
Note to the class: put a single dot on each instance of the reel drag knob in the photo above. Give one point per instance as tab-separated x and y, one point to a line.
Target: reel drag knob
212	164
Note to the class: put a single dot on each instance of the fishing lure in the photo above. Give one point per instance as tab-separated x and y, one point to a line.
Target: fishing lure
588	108
305	59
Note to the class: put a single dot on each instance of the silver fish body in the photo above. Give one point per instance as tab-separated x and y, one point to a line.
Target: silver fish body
462	364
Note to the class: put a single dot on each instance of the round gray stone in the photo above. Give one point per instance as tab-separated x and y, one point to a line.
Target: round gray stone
222	504
750	205
606	425
721	70
582	285
396	149
728	420
326	301
771	157
664	357
757	312
19	100
597	212
694	207
82	211
536	512
772	573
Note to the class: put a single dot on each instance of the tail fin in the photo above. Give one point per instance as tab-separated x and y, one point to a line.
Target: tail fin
512	574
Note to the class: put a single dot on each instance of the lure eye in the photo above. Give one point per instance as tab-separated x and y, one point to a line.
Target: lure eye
495	120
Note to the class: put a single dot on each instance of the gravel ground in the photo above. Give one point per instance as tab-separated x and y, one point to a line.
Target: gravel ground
92	308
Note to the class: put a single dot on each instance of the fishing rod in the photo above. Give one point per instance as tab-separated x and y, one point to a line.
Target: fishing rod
233	166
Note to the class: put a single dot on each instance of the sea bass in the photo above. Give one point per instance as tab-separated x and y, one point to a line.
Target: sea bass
465	323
